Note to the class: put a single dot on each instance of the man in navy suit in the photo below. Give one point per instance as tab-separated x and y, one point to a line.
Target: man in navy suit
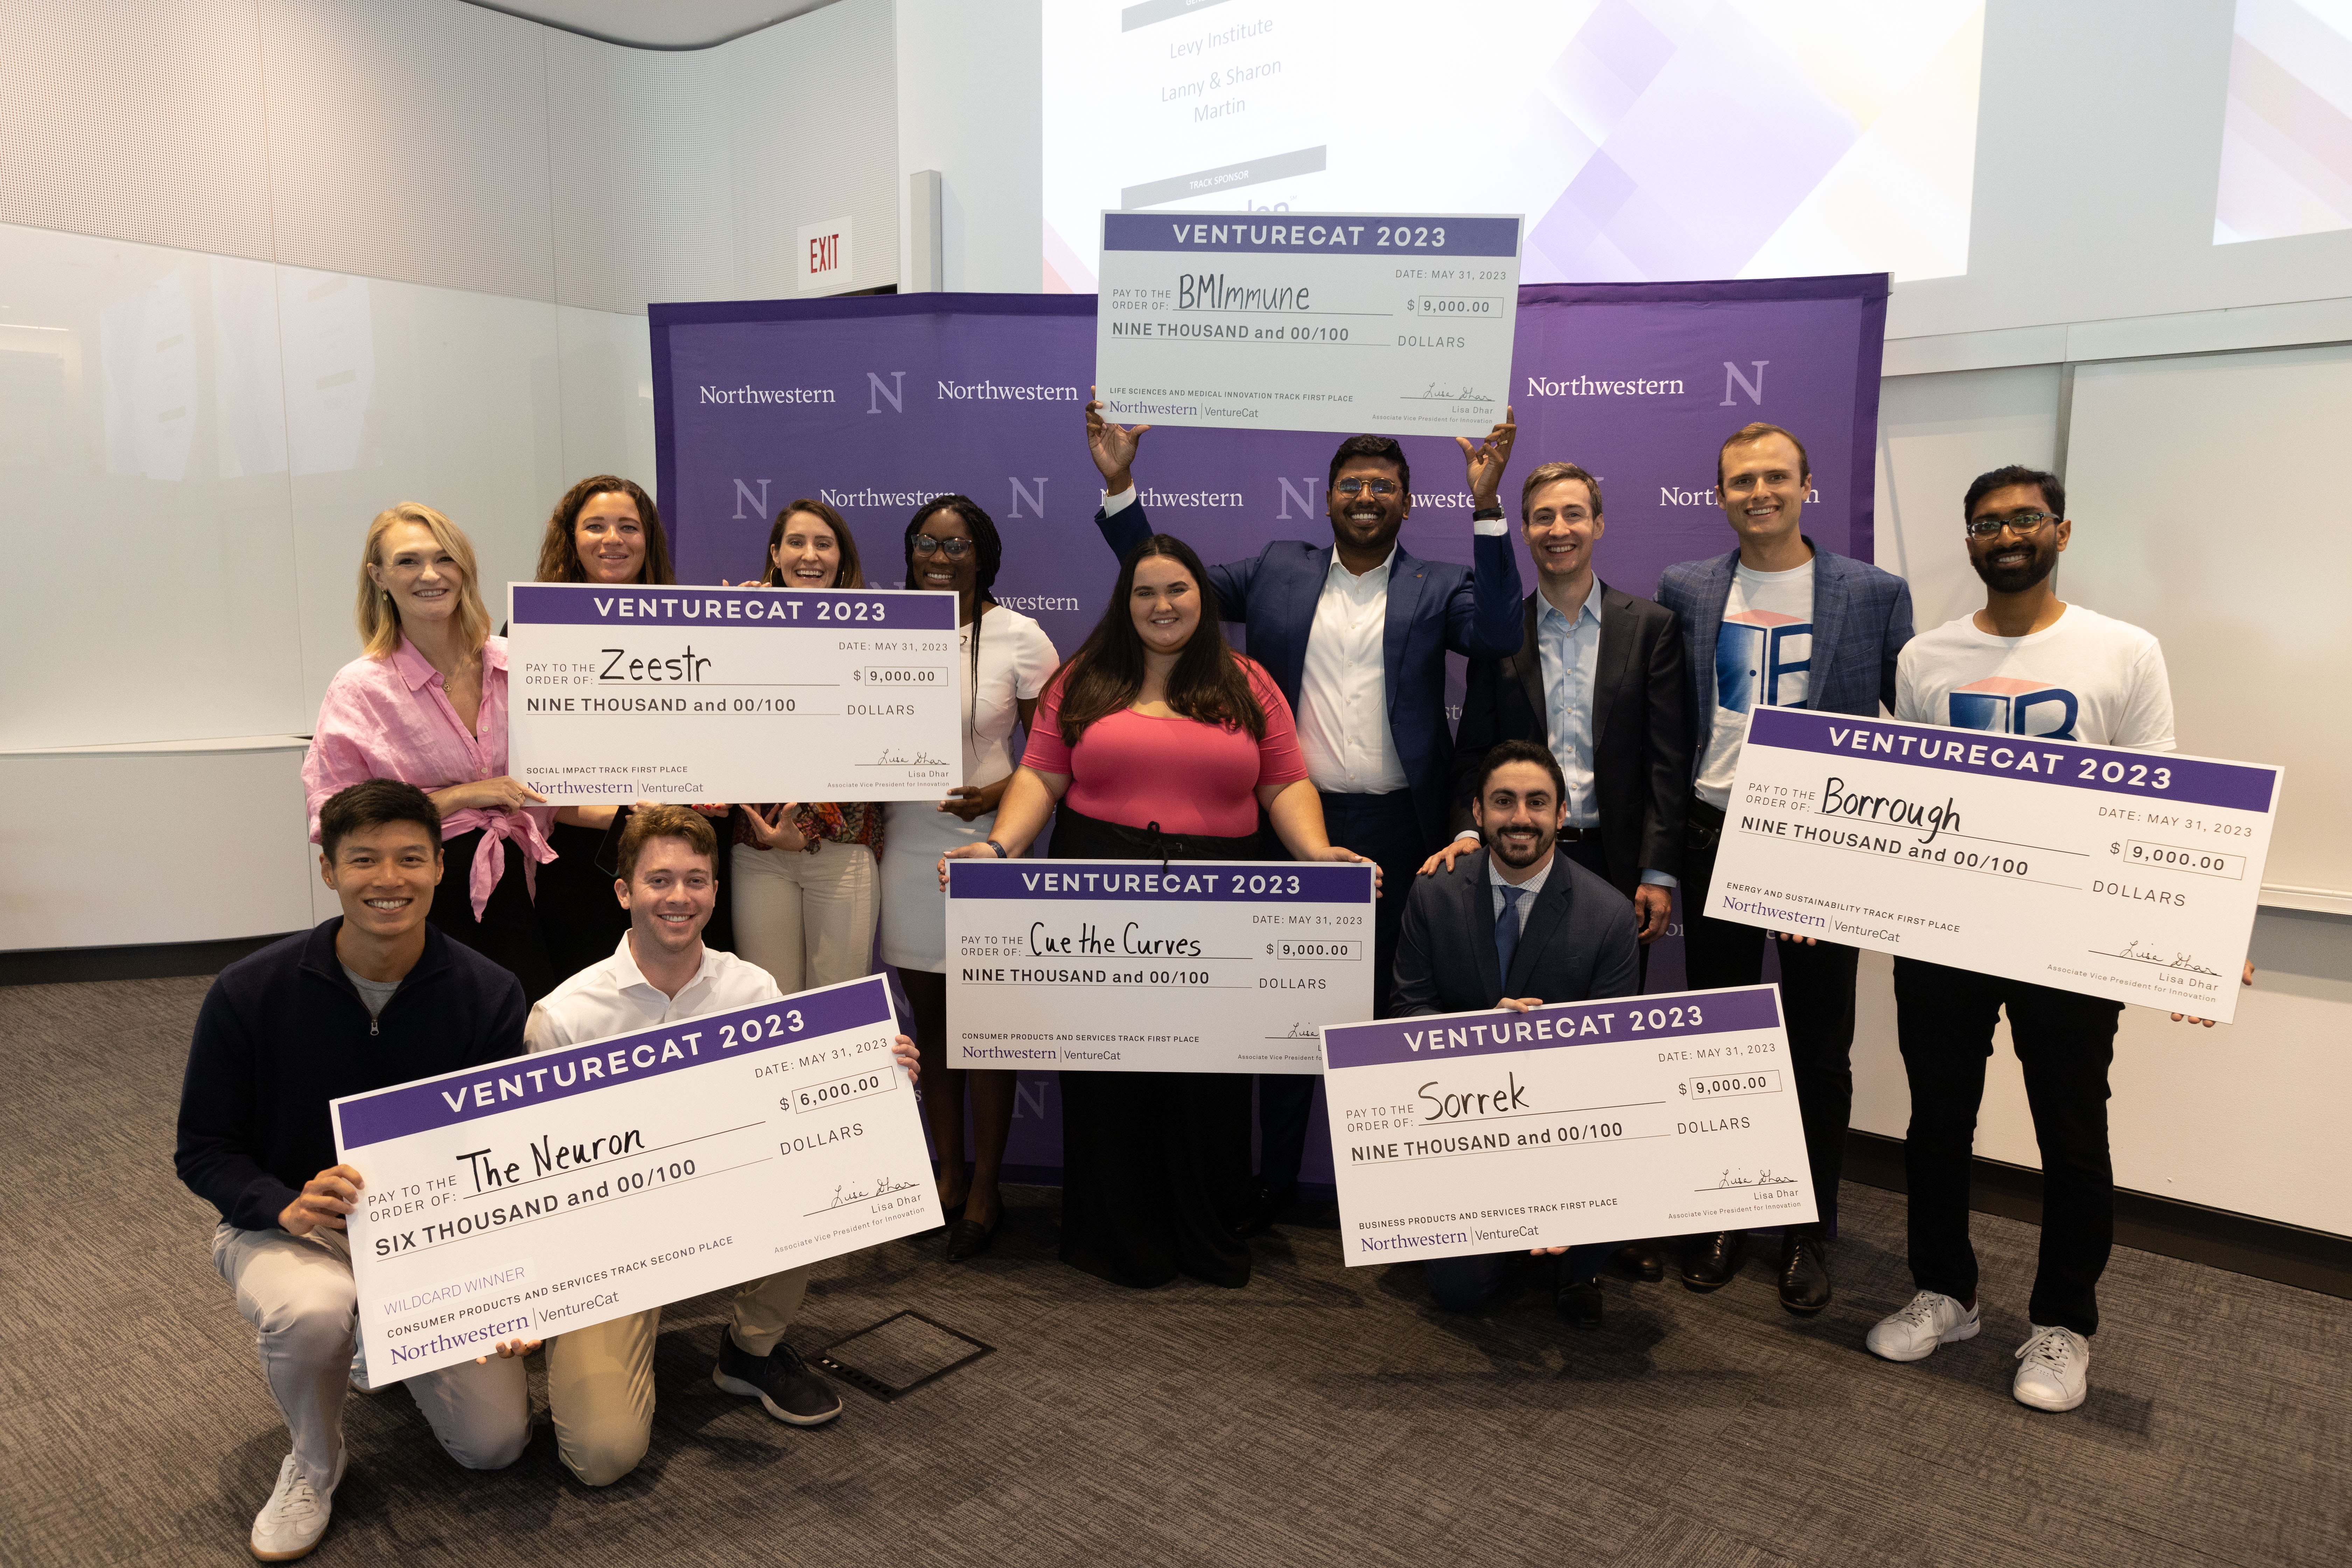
1516	925
1355	632
1784	623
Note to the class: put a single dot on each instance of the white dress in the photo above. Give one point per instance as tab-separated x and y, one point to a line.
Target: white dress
1016	660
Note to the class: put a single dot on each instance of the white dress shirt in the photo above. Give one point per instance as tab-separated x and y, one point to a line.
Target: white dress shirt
614	997
1495	883
1343	691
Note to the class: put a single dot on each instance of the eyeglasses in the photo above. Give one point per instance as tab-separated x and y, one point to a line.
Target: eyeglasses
953	548
1381	488
2023	522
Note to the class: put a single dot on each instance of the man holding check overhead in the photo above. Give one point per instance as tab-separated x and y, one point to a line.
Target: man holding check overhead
599	1379
1354	634
2026	664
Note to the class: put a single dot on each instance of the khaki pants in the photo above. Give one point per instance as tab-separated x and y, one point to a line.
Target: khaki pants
297	1292
600	1380
807	920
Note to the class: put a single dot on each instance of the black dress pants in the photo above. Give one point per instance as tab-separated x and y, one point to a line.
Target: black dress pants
1816	1003
579	913
2064	1043
507	934
1383	828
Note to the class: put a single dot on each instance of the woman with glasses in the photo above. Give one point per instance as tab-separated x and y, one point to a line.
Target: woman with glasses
805	892
606	530
1157	741
952	545
425	703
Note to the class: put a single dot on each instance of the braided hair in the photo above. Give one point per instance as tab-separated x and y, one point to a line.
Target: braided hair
988	554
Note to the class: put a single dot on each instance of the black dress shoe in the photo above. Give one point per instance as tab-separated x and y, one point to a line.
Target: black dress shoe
1266	1204
1804	1273
1713	1261
968	1238
1640	1259
1580	1302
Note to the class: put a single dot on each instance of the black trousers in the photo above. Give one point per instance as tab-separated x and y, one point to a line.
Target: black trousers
507	934
1383	827
2064	1042
1155	1165
1816	1003
579	913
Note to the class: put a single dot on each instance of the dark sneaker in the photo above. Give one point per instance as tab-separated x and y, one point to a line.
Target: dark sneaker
781	1380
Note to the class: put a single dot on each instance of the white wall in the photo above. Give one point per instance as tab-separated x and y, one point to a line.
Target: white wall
267	266
971	98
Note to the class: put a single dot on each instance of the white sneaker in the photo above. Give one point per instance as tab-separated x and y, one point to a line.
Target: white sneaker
291	1522
1927	1321
2056	1374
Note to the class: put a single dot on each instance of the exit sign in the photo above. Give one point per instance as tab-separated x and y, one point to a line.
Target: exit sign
825	258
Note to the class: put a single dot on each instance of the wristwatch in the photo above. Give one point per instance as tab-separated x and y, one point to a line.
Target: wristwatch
1001	855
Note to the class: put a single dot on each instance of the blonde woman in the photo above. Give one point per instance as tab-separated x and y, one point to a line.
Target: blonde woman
803	893
425	703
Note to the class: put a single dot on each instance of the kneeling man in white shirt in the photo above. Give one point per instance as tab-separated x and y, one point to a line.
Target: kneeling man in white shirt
600	1380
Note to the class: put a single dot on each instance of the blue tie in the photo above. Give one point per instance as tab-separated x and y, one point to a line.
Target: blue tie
1507	928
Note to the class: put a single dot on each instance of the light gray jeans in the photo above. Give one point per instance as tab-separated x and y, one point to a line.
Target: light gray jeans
297	1292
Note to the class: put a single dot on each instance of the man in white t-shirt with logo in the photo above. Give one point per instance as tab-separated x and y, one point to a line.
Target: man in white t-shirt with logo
2026	664
1784	623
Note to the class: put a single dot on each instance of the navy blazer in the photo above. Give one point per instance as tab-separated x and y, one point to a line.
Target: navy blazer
1578	943
1435	606
1861	619
1641	736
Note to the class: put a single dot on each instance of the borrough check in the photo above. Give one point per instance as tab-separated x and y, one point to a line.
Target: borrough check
1307	320
2132	875
551	1192
1470	1133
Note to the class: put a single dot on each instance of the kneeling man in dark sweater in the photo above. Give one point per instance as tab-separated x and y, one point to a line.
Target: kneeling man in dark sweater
374	997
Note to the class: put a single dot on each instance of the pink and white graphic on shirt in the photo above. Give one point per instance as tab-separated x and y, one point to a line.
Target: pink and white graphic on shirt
1758	652
2013	705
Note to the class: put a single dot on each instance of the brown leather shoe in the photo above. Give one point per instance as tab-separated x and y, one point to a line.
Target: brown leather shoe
1640	1260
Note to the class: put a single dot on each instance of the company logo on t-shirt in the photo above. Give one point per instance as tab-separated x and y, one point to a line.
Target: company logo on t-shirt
1756	654
2009	705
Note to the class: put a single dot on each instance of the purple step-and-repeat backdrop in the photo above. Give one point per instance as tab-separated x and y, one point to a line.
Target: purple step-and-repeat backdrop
874	404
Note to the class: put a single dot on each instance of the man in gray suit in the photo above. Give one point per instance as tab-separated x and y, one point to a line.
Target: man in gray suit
1516	925
1785	623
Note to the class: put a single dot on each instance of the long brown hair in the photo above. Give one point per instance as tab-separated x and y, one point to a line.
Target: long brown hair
1106	674
379	619
848	575
559	551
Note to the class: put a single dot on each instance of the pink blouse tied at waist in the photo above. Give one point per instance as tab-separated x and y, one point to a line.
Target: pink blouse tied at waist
390	719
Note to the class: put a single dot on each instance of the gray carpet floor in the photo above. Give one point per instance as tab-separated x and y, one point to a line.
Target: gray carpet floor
1322	1415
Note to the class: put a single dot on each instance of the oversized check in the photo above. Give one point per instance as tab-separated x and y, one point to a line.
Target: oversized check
1469	1132
551	1192
1306	321
1137	966
2128	875
693	694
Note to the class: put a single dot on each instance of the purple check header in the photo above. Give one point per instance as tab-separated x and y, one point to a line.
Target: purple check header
1442	1036
520	1081
825	609
1311	234
2148	775
1179	881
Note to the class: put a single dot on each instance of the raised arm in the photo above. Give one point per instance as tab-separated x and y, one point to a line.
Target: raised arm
1482	619
1124	524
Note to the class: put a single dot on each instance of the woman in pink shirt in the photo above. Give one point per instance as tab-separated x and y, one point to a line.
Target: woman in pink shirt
1158	741
425	703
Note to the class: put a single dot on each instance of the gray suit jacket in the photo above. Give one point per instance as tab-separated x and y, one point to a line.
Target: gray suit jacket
1861	619
1578	943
